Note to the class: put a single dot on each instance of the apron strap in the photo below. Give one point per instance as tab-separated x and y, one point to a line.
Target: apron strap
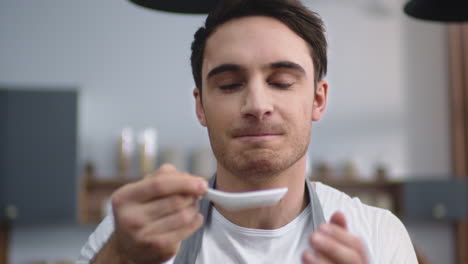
191	246
314	204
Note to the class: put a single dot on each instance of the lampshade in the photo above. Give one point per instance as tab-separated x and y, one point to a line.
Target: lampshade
178	6
438	10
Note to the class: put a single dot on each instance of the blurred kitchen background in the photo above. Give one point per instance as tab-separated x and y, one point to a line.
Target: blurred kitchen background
83	84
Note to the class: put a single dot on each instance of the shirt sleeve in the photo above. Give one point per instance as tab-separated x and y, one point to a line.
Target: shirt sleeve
394	241
96	240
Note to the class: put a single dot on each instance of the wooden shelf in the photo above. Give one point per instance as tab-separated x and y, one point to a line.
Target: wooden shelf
108	183
363	184
93	196
383	193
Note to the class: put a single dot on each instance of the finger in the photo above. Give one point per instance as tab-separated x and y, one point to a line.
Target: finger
179	220
338	218
169	205
160	186
166	168
167	244
308	257
183	233
343	237
173	239
137	217
333	250
322	259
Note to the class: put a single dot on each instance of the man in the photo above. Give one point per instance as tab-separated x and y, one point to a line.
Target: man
258	67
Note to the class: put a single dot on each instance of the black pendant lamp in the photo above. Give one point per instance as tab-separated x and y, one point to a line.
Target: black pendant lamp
438	10
178	6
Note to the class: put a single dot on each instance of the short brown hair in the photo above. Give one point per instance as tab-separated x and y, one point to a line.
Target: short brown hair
304	22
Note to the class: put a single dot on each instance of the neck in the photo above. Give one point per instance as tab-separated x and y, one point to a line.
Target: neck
271	217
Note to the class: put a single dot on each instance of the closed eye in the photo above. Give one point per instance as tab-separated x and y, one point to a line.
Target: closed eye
230	87
282	85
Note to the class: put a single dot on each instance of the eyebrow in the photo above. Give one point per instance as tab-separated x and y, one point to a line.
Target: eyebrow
236	68
287	65
223	68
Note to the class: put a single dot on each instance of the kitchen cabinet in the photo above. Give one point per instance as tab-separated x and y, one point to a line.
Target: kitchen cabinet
444	200
38	138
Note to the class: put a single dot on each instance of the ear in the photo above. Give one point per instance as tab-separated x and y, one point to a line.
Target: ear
199	107
320	100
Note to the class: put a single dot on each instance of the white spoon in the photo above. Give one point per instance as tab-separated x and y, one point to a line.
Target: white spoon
245	200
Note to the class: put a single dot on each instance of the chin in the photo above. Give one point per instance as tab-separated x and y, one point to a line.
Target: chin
259	168
258	165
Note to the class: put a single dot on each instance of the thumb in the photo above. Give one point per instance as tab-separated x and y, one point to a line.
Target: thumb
166	168
339	219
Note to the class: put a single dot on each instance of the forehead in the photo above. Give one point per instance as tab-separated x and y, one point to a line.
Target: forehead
255	41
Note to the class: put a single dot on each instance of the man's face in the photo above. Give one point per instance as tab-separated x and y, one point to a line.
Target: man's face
258	96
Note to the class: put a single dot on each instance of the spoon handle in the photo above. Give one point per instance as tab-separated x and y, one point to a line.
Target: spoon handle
245	200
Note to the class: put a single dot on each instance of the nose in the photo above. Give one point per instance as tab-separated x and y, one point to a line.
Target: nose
257	101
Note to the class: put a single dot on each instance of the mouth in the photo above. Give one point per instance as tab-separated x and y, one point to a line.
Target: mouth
257	135
258	138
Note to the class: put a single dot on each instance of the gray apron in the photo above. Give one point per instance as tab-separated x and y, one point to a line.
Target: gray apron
191	246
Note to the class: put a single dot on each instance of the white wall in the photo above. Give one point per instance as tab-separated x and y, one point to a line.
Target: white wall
388	76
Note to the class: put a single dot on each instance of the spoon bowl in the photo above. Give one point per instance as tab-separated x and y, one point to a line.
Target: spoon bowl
245	200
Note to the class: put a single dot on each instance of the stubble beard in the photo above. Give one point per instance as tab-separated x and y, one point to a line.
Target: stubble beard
259	163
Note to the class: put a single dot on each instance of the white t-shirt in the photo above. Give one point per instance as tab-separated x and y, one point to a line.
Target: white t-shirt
384	235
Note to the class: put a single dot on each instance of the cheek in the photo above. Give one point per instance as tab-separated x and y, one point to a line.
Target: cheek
307	108
219	113
298	118
307	113
302	121
304	111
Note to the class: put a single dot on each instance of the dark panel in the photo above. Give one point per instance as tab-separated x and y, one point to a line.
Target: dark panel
437	200
3	150
40	177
